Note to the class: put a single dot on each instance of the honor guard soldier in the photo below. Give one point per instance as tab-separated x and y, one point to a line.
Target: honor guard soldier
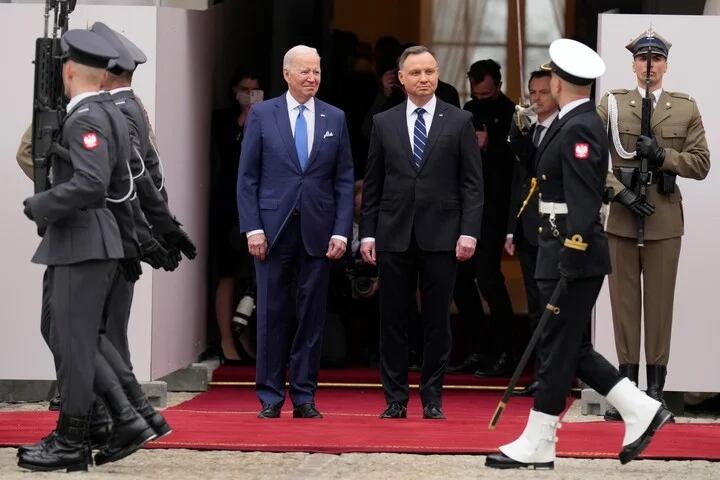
81	247
675	146
572	250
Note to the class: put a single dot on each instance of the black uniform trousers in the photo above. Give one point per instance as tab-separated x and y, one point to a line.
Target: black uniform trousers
399	273
76	299
565	348
118	316
469	305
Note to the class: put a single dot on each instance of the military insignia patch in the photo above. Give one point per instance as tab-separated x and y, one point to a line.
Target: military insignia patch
582	151
90	141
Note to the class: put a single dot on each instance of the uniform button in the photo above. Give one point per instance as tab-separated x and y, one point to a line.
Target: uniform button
544	177
539	229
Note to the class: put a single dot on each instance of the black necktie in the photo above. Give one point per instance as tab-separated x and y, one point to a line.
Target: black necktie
536	136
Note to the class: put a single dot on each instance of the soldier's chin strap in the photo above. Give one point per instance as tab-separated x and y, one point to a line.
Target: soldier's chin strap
613	128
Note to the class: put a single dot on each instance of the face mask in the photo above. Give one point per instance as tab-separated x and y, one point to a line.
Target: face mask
243	98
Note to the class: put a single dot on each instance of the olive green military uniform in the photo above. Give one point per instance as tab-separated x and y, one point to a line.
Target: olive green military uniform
677	126
24	153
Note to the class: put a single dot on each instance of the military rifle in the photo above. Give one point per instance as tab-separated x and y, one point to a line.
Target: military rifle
48	98
644	176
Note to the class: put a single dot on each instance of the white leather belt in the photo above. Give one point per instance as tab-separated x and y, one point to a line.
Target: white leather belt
551	208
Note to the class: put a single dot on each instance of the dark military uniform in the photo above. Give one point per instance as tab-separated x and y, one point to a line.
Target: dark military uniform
572	163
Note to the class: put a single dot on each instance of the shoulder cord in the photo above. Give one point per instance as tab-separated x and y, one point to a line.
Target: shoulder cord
613	128
162	170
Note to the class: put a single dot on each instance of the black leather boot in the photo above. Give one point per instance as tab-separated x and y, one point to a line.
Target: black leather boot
656	383
67	449
44	442
631	371
130	430
100	426
54	404
142	405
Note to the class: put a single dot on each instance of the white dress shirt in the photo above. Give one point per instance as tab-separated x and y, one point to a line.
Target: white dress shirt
77	99
571	106
411	118
309	115
656	94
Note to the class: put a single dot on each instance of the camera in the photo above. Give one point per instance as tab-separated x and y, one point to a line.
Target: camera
243	312
363	280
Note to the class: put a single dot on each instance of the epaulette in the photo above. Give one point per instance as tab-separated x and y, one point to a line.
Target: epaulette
620	91
684	96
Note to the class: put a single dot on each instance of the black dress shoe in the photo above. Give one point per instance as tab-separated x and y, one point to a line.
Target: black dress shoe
500	460
631	451
528	390
269	411
612	415
504	365
433	412
54	404
395	410
306	410
472	362
65	450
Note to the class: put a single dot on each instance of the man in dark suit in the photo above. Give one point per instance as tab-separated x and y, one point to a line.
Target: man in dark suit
572	165
524	219
295	200
492	114
421	213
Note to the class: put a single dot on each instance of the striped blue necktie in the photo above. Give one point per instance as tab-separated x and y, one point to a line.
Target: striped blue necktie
419	139
301	137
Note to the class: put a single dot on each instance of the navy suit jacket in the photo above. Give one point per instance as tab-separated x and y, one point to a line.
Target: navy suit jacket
271	183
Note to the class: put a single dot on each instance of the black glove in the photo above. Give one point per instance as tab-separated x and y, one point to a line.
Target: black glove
647	147
632	201
131	269
572	263
27	210
180	241
157	257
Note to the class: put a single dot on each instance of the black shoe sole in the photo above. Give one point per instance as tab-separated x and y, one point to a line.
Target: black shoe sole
75	467
631	452
147	435
612	416
508	463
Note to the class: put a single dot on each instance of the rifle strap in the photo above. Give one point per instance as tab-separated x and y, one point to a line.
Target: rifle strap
613	130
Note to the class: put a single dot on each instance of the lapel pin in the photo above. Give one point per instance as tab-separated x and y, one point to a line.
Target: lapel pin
322	115
440	115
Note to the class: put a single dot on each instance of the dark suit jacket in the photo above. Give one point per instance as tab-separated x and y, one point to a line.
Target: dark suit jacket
79	225
572	166
441	201
271	183
525	226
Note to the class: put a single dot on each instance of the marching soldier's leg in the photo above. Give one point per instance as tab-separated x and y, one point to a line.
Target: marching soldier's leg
132	388
130	430
77	297
660	264
118	316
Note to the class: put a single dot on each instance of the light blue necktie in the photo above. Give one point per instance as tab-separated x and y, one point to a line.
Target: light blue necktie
420	139
301	137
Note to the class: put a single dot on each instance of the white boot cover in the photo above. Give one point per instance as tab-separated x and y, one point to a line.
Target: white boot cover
636	408
537	442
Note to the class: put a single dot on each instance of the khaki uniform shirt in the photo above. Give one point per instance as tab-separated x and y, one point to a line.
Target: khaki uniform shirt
24	153
677	126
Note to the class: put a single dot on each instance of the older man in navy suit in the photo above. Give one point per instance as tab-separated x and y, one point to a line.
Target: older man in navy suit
295	200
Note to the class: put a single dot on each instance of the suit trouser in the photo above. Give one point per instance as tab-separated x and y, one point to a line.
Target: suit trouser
491	281
398	273
77	296
657	263
467	299
528	259
288	260
565	348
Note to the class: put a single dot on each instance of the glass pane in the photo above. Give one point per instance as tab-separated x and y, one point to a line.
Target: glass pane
469	21
534	57
544	21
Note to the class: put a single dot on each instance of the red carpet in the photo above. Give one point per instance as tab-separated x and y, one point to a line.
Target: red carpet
224	419
362	377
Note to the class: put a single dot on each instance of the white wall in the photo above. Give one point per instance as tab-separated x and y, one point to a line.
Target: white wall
694	355
182	125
